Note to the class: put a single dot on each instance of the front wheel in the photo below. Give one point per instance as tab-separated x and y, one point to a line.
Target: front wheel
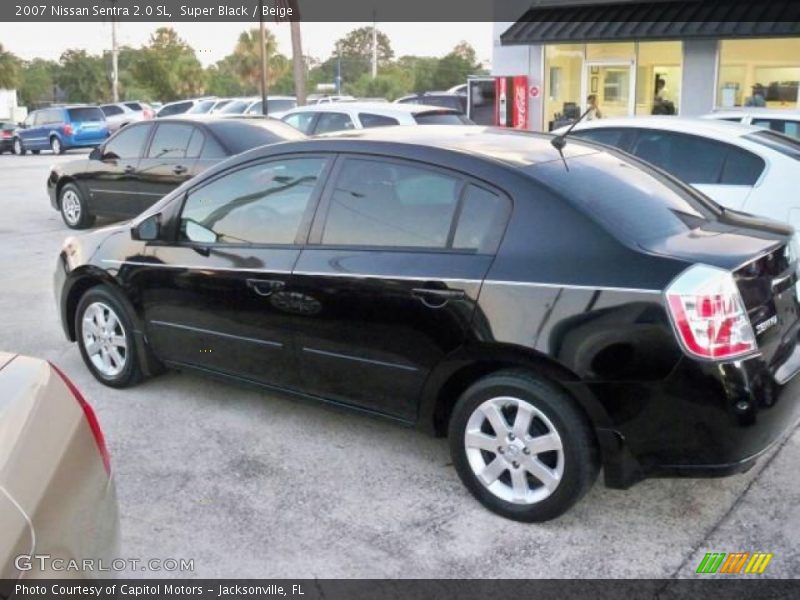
56	146
73	206
522	446
18	148
104	331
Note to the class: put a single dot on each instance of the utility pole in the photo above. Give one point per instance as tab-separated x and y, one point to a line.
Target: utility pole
374	47
114	58
263	35
338	69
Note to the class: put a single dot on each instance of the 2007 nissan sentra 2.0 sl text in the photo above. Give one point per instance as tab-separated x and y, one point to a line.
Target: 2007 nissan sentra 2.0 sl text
550	313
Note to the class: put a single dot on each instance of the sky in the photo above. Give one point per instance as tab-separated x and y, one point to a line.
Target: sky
213	41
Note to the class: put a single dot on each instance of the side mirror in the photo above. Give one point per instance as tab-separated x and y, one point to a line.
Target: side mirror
96	153
147	230
21	125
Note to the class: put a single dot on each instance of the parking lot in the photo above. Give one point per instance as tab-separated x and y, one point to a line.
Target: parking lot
249	484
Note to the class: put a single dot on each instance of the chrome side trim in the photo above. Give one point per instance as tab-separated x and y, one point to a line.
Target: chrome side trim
218	333
126	193
397	277
359	359
27	518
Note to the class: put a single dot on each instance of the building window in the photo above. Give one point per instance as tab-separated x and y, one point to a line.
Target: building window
658	78
563	73
759	73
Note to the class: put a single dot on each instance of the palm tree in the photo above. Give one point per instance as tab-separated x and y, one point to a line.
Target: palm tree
9	69
298	64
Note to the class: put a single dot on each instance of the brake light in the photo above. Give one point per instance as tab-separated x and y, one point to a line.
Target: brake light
91	419
709	315
6	133
68	130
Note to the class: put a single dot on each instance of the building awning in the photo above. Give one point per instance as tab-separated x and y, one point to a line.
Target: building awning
660	20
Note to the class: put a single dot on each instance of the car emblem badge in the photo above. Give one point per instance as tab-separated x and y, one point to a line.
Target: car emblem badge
764	325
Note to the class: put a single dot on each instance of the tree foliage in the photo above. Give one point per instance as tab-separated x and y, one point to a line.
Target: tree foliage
9	69
169	67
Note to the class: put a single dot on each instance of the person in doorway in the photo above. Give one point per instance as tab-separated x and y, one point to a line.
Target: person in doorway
594	109
757	99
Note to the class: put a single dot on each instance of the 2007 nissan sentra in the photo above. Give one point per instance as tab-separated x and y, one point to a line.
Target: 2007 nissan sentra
550	313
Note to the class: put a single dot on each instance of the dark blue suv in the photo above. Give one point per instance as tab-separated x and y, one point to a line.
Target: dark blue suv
61	128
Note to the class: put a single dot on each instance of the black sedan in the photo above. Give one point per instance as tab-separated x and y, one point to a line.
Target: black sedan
551	313
145	161
7	129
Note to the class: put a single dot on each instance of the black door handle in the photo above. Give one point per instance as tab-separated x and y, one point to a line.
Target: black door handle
434	298
265	287
179	170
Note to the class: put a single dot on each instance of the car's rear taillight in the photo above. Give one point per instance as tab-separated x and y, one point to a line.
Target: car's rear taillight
68	130
91	419
6	133
709	315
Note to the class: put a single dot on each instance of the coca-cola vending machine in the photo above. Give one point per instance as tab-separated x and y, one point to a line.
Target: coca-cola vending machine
511	106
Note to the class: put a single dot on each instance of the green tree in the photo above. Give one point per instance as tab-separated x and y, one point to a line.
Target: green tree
454	68
356	56
168	66
223	80
83	77
246	60
37	81
9	69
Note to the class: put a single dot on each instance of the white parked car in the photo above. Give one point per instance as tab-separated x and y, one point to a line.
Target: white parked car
341	116
742	167
782	121
181	106
276	106
120	114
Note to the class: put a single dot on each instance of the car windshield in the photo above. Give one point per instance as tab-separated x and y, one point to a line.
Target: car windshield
80	115
236	107
239	136
441	118
776	141
628	199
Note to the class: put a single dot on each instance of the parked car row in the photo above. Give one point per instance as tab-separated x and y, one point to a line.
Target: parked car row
553	305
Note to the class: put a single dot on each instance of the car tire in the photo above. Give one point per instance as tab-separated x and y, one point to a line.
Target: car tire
56	146
105	336
73	207
35	151
18	148
528	474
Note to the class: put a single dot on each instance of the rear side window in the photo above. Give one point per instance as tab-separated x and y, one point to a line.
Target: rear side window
80	115
175	109
742	168
239	136
236	107
441	118
202	107
377	203
369	120
129	142
50	117
629	200
687	157
330	122
134	106
605	135
195	144
170	141
481	221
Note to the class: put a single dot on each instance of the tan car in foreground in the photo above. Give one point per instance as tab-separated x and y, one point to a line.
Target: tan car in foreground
57	497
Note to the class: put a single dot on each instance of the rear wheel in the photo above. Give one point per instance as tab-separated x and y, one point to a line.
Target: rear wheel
73	207
522	446
17	147
56	146
104	332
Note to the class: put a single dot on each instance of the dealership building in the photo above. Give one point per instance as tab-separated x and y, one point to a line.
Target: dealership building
639	58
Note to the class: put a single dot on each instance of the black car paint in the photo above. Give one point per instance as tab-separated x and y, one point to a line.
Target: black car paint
562	295
124	187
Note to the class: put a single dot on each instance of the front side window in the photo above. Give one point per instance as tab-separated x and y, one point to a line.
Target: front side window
378	203
330	122
171	141
369	120
111	110
128	143
262	204
687	157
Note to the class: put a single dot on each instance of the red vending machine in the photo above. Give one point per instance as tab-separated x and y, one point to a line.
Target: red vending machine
511	106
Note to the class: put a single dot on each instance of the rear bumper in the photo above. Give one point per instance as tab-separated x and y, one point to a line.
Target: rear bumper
70	141
703	420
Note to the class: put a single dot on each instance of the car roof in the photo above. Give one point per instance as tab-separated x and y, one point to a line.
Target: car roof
791	115
512	147
704	127
387	108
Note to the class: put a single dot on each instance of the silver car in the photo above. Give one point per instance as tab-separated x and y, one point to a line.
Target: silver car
120	114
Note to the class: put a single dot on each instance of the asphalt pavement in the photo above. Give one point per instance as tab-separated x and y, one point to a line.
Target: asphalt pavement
251	484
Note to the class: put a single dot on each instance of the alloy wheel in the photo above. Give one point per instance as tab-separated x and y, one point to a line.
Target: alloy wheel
71	206
514	450
17	146
104	339
55	145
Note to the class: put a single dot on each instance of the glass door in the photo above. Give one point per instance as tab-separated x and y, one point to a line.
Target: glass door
610	88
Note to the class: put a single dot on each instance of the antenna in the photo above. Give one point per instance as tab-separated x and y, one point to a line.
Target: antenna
560	141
